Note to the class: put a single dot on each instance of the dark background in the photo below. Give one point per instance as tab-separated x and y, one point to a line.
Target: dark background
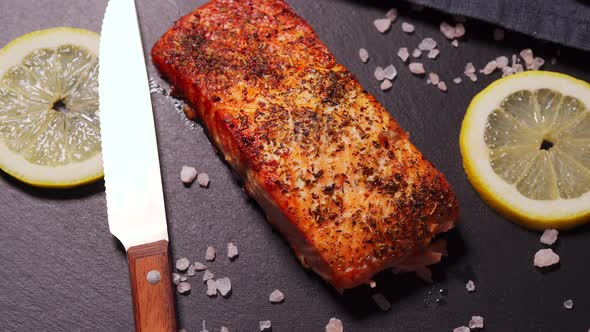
61	270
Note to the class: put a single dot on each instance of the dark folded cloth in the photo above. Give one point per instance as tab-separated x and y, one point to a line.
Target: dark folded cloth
562	21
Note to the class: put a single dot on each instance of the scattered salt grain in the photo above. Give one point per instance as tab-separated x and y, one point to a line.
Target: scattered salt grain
391	14
232	251
223	286
203	180
442	86
276	296
183	278
403	54
183	287
459	30
407	27
224	329
537	64
182	264
527	56
364	55
211	288
390	72
188	174
191	271
518	68
264	325
549	236
568	304
506	71
200	266
455	43
433	53
498	34
546	257
416	53
210	254
489	68
434	79
381	301
427	44
502	61
386	85
335	325
382	24
461	329
176	278
417	68
208	275
470	286
447	30
515	59
457	80
476	322
472	77
379	74
372	283
469	68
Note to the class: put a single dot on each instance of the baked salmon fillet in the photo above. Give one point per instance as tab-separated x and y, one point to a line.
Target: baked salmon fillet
331	169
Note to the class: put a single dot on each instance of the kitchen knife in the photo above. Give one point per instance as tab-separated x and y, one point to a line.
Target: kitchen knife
135	202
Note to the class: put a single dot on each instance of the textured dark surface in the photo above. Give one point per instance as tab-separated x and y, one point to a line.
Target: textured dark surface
63	271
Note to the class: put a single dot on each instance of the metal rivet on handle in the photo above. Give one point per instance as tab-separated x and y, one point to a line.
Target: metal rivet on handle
153	277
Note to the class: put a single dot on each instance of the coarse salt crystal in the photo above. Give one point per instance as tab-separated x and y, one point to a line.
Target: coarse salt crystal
447	30
416	53
568	304
457	80
210	254
183	287
200	266
472	77
381	301
188	174
469	68
455	43
264	325
442	86
223	286
506	71
470	286
549	236
183	278
434	79
546	257
502	61
417	68
335	325
489	68
211	288
459	30
515	59
363	55
276	296
182	264
498	34
372	284
461	329
476	322
203	180
379	74
391	14
518	68
390	72
527	56
403	54
433	53
427	44
232	251
176	278
386	85
382	24
191	271
407	27
208	275
537	64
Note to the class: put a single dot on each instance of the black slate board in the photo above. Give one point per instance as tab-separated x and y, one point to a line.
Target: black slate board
61	270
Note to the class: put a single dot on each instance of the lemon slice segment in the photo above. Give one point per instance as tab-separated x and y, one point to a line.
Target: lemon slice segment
49	126
525	142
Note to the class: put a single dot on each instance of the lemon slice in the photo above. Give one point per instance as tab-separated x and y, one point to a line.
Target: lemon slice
49	127
525	142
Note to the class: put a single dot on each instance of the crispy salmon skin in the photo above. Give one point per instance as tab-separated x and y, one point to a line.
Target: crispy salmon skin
332	170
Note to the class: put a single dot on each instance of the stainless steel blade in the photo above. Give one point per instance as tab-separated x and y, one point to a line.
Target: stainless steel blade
135	201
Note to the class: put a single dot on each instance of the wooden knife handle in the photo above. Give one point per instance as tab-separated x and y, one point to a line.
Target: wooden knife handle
153	301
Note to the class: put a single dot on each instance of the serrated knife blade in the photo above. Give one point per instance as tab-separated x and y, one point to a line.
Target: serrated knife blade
135	201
